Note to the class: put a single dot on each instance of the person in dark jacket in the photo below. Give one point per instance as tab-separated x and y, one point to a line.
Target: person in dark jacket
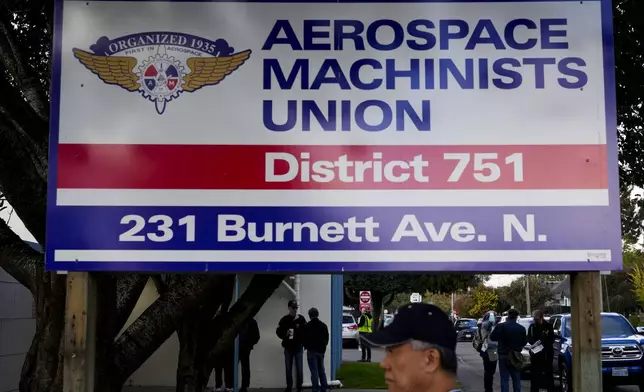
248	338
225	363
289	330
315	339
541	362
511	337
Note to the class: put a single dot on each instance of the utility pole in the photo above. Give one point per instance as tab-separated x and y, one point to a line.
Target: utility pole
527	294
606	300
452	308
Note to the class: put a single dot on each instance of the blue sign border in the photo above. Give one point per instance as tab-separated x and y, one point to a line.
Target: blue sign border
614	225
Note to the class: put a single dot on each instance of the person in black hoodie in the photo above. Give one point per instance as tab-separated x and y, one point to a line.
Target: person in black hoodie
541	362
248	338
289	330
315	339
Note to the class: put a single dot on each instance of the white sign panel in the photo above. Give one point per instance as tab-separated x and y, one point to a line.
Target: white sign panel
324	136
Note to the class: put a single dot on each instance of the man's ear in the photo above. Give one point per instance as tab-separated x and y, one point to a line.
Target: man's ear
432	360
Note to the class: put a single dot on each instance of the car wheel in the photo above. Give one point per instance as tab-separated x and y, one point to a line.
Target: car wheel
565	379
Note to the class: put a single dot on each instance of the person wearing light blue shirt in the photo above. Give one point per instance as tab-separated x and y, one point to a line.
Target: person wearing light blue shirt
488	350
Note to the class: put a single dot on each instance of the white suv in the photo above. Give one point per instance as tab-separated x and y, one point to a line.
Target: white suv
349	329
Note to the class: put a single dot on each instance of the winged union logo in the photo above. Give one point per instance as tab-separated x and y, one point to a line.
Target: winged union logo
154	64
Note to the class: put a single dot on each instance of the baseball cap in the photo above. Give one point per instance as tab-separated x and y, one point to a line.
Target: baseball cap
416	321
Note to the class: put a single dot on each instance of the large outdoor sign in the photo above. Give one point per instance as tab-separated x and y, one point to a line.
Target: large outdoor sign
333	136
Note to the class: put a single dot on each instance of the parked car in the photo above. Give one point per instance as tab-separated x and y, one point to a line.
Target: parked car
621	351
350	335
465	329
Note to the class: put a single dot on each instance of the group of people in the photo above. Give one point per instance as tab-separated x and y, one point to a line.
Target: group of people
503	343
420	349
298	335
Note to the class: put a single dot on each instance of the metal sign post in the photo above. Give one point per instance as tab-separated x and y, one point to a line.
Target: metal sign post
236	359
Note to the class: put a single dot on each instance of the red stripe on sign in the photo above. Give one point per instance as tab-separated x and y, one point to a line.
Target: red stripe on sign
105	166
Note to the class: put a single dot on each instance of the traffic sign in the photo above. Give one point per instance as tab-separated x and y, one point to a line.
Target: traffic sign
333	136
416	298
365	297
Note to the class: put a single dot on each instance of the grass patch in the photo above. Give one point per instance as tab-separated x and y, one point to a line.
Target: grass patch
361	375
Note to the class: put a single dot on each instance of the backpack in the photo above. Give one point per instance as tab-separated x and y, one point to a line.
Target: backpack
477	342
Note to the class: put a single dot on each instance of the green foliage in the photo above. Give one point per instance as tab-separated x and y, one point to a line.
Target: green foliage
483	299
632	215
629	57
618	293
636	276
411	283
442	300
635	320
515	293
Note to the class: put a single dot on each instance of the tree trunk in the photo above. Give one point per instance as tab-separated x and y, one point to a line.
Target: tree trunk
196	337
191	375
376	308
42	370
226	327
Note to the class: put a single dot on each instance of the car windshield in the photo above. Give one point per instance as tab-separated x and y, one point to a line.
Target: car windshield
616	326
347	320
465	324
613	326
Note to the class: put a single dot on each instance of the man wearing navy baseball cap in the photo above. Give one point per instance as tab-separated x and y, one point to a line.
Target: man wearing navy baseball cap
420	348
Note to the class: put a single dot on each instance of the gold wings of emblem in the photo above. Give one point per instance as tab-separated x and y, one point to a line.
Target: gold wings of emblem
208	71
111	69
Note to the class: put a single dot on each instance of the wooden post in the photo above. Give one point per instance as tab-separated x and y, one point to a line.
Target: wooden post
586	332
80	331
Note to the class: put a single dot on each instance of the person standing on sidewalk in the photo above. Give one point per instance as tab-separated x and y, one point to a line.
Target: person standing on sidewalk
315	340
512	337
420	348
289	330
488	350
248	338
365	327
541	362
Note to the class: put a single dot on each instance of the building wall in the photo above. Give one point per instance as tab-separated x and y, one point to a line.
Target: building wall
17	329
267	362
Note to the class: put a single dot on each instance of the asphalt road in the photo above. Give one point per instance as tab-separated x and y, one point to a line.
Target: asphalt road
470	368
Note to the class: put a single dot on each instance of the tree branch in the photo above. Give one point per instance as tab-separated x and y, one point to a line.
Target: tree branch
21	182
228	325
386	302
159	321
23	75
17	258
128	291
